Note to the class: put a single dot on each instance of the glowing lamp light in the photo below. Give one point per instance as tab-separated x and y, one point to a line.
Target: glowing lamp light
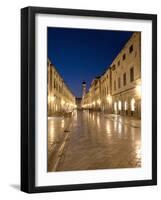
115	106
51	98
119	105
125	105
109	98
99	101
138	90
62	102
132	104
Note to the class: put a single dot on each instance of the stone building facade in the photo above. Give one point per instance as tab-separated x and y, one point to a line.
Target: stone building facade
60	98
118	90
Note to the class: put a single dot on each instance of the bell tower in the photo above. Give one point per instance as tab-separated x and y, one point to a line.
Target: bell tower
83	88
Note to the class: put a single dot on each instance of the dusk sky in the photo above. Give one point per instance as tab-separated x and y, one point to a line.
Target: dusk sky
81	54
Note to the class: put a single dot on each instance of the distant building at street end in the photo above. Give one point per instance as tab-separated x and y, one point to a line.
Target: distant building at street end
118	90
78	103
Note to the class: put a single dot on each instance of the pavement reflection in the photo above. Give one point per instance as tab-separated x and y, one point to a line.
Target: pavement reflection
97	141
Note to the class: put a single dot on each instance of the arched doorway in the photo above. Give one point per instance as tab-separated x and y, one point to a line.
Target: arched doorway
115	107
126	108
119	106
132	106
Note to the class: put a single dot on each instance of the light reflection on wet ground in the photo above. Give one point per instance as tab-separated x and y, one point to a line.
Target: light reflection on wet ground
56	126
97	142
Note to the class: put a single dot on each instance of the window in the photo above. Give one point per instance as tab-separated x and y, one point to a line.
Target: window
132	74
113	67
118	63
124	79
124	56
131	49
107	90
114	85
119	82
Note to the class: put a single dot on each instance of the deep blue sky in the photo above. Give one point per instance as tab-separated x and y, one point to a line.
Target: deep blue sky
81	54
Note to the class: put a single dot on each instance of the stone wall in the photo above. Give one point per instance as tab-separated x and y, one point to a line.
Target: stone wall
60	98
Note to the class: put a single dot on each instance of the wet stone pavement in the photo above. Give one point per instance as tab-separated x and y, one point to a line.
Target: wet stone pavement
92	140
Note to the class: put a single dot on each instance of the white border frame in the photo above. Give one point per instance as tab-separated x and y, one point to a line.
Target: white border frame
42	178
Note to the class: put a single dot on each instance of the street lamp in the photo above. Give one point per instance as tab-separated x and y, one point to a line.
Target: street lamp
52	98
109	98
